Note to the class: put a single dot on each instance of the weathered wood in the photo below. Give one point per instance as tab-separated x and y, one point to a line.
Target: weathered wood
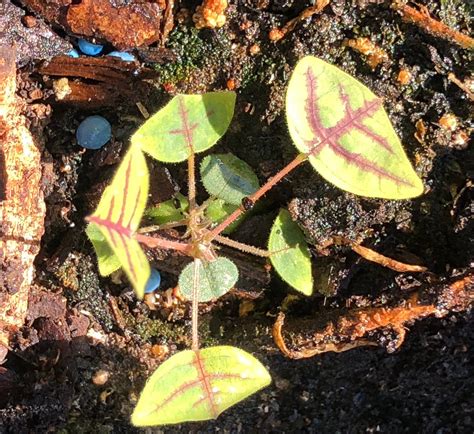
22	207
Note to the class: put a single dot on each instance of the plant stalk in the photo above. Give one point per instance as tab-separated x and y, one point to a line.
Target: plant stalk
191	182
195	306
162	243
300	158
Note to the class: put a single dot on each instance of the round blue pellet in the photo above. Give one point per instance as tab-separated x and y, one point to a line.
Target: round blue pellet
126	57
93	132
154	281
73	53
89	48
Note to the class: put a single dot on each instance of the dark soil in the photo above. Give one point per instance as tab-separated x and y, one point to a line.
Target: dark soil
80	323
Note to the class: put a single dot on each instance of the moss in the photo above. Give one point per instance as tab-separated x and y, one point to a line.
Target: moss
192	51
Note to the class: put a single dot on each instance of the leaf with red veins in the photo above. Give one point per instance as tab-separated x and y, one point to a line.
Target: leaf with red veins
198	385
118	216
345	131
187	124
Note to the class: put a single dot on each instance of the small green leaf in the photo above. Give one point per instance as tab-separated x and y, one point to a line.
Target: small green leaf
215	279
107	260
119	213
187	124
199	385
229	178
169	211
218	210
343	127
291	259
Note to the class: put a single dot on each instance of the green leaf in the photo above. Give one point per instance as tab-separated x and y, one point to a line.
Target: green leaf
187	124
119	213
343	126
215	279
169	211
291	257
218	210
229	178
199	385
108	262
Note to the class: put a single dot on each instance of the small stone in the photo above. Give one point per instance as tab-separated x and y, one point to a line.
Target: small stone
73	53
100	377
93	132
89	48
154	281
123	55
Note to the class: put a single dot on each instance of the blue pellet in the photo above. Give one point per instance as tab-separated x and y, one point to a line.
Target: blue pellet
126	57
154	281
89	48
93	132
73	53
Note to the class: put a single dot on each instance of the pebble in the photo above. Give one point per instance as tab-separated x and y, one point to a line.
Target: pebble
73	53
93	132
100	377
89	48
123	55
154	281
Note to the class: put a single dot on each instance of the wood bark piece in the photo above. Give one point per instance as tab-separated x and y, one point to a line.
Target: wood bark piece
354	328
22	207
125	24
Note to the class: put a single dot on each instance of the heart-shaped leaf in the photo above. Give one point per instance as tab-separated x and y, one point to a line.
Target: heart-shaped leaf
343	127
199	385
215	279
228	178
187	124
119	213
290	254
106	258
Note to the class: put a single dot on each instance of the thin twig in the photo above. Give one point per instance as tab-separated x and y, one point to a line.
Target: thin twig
421	17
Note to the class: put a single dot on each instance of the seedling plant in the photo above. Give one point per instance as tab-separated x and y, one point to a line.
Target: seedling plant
337	124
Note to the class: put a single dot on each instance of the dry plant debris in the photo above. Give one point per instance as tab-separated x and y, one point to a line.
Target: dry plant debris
353	328
125	25
421	17
375	55
211	14
22	209
277	34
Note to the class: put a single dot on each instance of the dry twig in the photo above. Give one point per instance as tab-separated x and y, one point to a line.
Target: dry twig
350	329
421	17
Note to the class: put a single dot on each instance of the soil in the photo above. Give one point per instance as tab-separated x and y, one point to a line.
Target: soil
80	324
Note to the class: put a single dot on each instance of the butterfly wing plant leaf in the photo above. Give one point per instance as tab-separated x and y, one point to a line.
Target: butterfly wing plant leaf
169	211
199	385
215	279
227	177
290	254
187	124
344	128
106	258
119	213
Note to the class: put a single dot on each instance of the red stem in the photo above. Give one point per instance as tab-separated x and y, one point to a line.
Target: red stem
162	243
300	158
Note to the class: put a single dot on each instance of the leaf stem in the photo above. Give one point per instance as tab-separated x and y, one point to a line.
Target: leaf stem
155	228
162	243
195	306
243	247
300	158
191	182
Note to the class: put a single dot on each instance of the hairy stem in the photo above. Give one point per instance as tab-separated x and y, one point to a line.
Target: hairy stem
300	158
162	243
243	247
195	306
191	182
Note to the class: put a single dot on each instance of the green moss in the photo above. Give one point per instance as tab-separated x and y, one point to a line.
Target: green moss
191	51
